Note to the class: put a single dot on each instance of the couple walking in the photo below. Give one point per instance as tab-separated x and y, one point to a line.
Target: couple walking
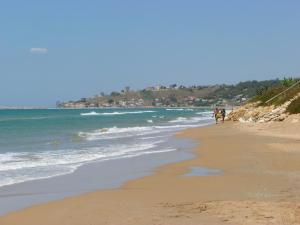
219	113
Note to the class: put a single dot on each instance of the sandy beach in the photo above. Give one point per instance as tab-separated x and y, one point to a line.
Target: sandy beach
258	183
150	113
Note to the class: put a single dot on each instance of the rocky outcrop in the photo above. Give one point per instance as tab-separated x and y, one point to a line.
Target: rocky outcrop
252	112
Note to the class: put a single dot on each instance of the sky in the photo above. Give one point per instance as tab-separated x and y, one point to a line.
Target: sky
67	49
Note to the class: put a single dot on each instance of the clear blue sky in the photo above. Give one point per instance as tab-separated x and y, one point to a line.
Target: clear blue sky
60	50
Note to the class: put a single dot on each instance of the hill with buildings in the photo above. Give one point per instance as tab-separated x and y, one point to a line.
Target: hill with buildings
175	96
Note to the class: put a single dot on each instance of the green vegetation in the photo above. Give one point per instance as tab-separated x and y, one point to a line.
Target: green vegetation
114	94
110	101
265	94
247	88
287	82
294	107
147	94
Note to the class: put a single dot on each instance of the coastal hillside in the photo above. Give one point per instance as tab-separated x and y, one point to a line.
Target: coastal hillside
275	103
176	96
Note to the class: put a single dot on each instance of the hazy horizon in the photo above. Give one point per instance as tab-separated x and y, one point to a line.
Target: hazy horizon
57	51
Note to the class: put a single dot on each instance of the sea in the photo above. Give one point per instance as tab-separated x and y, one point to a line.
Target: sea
43	143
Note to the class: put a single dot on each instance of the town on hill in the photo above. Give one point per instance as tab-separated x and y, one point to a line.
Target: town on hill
175	96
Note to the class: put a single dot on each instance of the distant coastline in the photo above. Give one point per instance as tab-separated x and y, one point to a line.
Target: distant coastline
174	96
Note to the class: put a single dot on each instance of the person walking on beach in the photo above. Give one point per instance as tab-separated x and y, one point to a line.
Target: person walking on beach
216	114
223	114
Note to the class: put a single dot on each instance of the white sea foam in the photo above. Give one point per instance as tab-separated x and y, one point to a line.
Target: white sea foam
115	132
9	161
180	109
126	132
205	113
191	120
93	113
161	117
124	113
178	120
24	166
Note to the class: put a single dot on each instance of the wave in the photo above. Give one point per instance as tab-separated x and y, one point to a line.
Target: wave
178	120
180	109
93	113
115	132
160	117
192	120
205	113
144	138
25	166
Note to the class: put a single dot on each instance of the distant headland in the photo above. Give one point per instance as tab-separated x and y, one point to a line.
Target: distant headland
175	96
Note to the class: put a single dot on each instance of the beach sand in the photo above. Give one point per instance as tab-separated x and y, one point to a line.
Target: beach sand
258	183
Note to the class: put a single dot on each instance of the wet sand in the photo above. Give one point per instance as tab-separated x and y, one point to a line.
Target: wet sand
93	176
258	183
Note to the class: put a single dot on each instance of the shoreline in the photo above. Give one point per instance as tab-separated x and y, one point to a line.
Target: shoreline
259	184
63	152
90	177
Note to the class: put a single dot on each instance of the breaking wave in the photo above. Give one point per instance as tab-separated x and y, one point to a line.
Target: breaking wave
93	113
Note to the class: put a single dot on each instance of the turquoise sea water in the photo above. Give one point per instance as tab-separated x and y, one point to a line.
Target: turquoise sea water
42	143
